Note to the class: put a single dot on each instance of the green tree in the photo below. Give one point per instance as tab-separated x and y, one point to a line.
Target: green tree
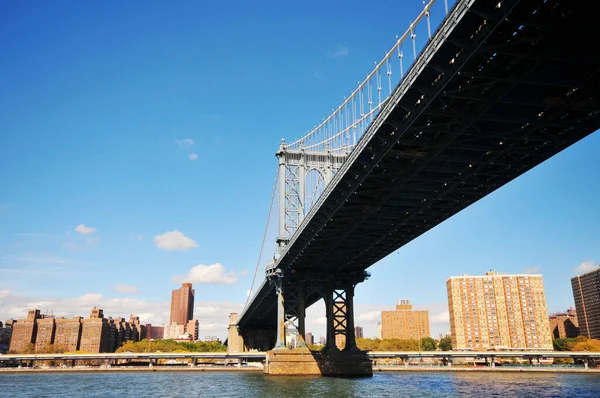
428	344
446	343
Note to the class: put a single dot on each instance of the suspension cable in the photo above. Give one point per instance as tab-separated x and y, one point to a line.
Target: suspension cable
263	238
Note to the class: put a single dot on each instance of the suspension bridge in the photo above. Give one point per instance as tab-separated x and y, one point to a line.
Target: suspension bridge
448	116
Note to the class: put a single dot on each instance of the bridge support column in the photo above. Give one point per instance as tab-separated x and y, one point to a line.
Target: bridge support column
329	313
301	318
350	333
280	342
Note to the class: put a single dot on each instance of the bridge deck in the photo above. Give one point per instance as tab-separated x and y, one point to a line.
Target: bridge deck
497	91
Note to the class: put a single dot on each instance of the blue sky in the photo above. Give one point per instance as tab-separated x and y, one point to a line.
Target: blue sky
122	122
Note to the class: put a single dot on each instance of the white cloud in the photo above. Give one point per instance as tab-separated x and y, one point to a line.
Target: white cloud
214	274
320	321
372	316
174	240
185	143
206	309
444	317
532	270
82	229
341	51
4	293
122	288
585	266
193	156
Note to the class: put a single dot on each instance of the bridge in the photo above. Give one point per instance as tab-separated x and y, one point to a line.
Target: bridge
446	118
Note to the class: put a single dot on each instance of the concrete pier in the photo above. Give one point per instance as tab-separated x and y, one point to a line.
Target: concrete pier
303	362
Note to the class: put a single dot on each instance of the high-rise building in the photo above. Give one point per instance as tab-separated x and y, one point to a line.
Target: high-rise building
358	332
496	311
67	335
95	333
404	323
192	329
182	304
310	339
155	332
586	292
44	340
564	324
24	332
379	331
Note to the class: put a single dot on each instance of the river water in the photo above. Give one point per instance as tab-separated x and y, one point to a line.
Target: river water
230	384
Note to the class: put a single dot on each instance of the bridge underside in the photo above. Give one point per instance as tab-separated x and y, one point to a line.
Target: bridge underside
497	91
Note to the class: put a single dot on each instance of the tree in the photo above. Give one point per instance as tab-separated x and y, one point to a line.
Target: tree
446	343
590	345
428	344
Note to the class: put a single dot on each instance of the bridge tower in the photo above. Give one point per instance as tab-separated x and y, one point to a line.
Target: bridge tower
303	176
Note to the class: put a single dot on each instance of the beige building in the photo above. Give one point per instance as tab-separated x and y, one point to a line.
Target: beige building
404	323
495	311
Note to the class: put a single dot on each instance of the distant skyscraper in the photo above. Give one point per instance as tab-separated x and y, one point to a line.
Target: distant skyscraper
358	332
498	312
405	323
379	331
309	338
586	291
182	305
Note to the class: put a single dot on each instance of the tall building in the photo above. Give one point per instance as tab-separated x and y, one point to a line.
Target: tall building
5	333
67	335
564	324
24	332
155	332
358	332
95	333
192	329
310	339
494	311
586	291
182	305
379	331
404	323
44	340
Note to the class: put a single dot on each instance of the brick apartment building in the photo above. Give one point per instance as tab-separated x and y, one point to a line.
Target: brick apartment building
95	334
586	292
564	324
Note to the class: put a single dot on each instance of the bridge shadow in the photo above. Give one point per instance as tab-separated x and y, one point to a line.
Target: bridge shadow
330	363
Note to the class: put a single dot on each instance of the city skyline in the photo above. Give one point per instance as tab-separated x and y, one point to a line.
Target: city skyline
121	186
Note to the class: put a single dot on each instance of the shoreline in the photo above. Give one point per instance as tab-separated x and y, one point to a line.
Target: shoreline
377	369
498	369
117	369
